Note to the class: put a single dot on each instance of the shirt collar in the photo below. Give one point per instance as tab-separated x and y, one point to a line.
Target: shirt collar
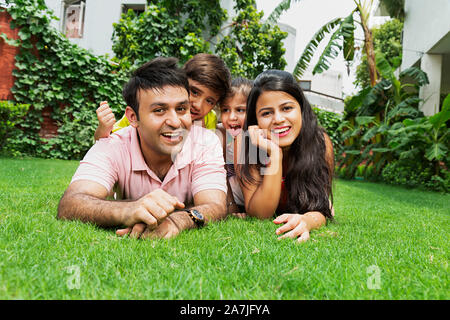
137	158
182	159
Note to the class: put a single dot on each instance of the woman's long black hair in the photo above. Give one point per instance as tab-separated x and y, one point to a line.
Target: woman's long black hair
308	176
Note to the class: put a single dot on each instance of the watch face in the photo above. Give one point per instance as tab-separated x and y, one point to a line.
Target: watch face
197	214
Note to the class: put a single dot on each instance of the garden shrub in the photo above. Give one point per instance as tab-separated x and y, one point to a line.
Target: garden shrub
411	174
330	121
172	28
10	115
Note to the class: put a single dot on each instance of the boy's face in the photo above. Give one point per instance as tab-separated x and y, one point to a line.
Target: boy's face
202	99
164	120
232	113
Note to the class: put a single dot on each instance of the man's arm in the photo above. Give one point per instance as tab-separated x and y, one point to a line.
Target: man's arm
85	200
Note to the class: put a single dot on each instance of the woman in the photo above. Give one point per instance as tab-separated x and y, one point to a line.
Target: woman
287	160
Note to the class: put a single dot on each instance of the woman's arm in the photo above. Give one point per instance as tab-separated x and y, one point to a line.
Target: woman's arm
261	200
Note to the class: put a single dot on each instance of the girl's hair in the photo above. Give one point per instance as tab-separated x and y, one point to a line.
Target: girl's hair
240	85
308	176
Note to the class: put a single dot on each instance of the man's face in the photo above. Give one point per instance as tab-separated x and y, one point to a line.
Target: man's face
202	99
164	120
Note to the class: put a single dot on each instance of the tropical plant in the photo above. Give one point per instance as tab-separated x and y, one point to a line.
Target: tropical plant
342	39
386	39
421	147
395	8
426	138
373	114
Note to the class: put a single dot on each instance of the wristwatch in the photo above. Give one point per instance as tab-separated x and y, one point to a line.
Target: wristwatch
196	216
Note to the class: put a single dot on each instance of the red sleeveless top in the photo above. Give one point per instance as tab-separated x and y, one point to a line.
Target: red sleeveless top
283	199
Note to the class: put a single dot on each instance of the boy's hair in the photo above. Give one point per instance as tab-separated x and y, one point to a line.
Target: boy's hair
154	75
210	71
240	85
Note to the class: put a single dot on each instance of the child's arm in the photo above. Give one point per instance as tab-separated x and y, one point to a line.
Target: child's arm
106	121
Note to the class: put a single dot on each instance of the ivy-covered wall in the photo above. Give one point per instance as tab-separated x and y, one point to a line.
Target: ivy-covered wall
7	54
62	82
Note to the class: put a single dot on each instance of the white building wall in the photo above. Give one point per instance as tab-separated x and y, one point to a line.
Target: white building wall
426	23
98	22
426	44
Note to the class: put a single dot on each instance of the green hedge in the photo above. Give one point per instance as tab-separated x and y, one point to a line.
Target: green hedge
330	121
10	115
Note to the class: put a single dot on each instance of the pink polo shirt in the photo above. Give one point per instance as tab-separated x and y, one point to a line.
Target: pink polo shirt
118	161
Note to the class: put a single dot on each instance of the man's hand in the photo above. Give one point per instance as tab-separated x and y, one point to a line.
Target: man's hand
211	203
149	211
169	227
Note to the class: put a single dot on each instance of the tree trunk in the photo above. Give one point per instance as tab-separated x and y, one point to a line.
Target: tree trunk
368	46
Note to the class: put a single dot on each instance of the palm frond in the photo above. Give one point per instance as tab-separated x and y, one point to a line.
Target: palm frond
416	74
343	33
308	52
348	29
276	13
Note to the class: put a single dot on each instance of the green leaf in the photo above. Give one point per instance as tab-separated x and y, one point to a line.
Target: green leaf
24	35
348	30
331	51
416	74
436	152
443	116
381	150
277	12
364	120
11	42
370	134
308	52
383	66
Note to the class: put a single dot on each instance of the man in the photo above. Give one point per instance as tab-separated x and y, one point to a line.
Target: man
161	163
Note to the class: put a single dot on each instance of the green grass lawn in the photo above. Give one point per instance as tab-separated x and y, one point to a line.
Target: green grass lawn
387	243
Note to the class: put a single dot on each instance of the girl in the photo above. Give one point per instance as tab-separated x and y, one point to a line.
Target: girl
232	113
292	175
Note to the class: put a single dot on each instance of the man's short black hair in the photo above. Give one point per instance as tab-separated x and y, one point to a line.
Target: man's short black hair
154	75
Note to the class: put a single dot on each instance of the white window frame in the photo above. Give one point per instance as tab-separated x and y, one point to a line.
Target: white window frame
81	19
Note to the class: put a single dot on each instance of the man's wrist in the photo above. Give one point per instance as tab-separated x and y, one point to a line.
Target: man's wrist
182	220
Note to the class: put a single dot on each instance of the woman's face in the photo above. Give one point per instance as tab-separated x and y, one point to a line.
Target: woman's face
232	113
279	113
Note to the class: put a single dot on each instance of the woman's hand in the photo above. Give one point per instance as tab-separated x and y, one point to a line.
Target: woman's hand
261	138
295	226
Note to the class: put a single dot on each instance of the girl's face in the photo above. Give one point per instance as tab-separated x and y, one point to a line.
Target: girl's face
232	112
279	113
